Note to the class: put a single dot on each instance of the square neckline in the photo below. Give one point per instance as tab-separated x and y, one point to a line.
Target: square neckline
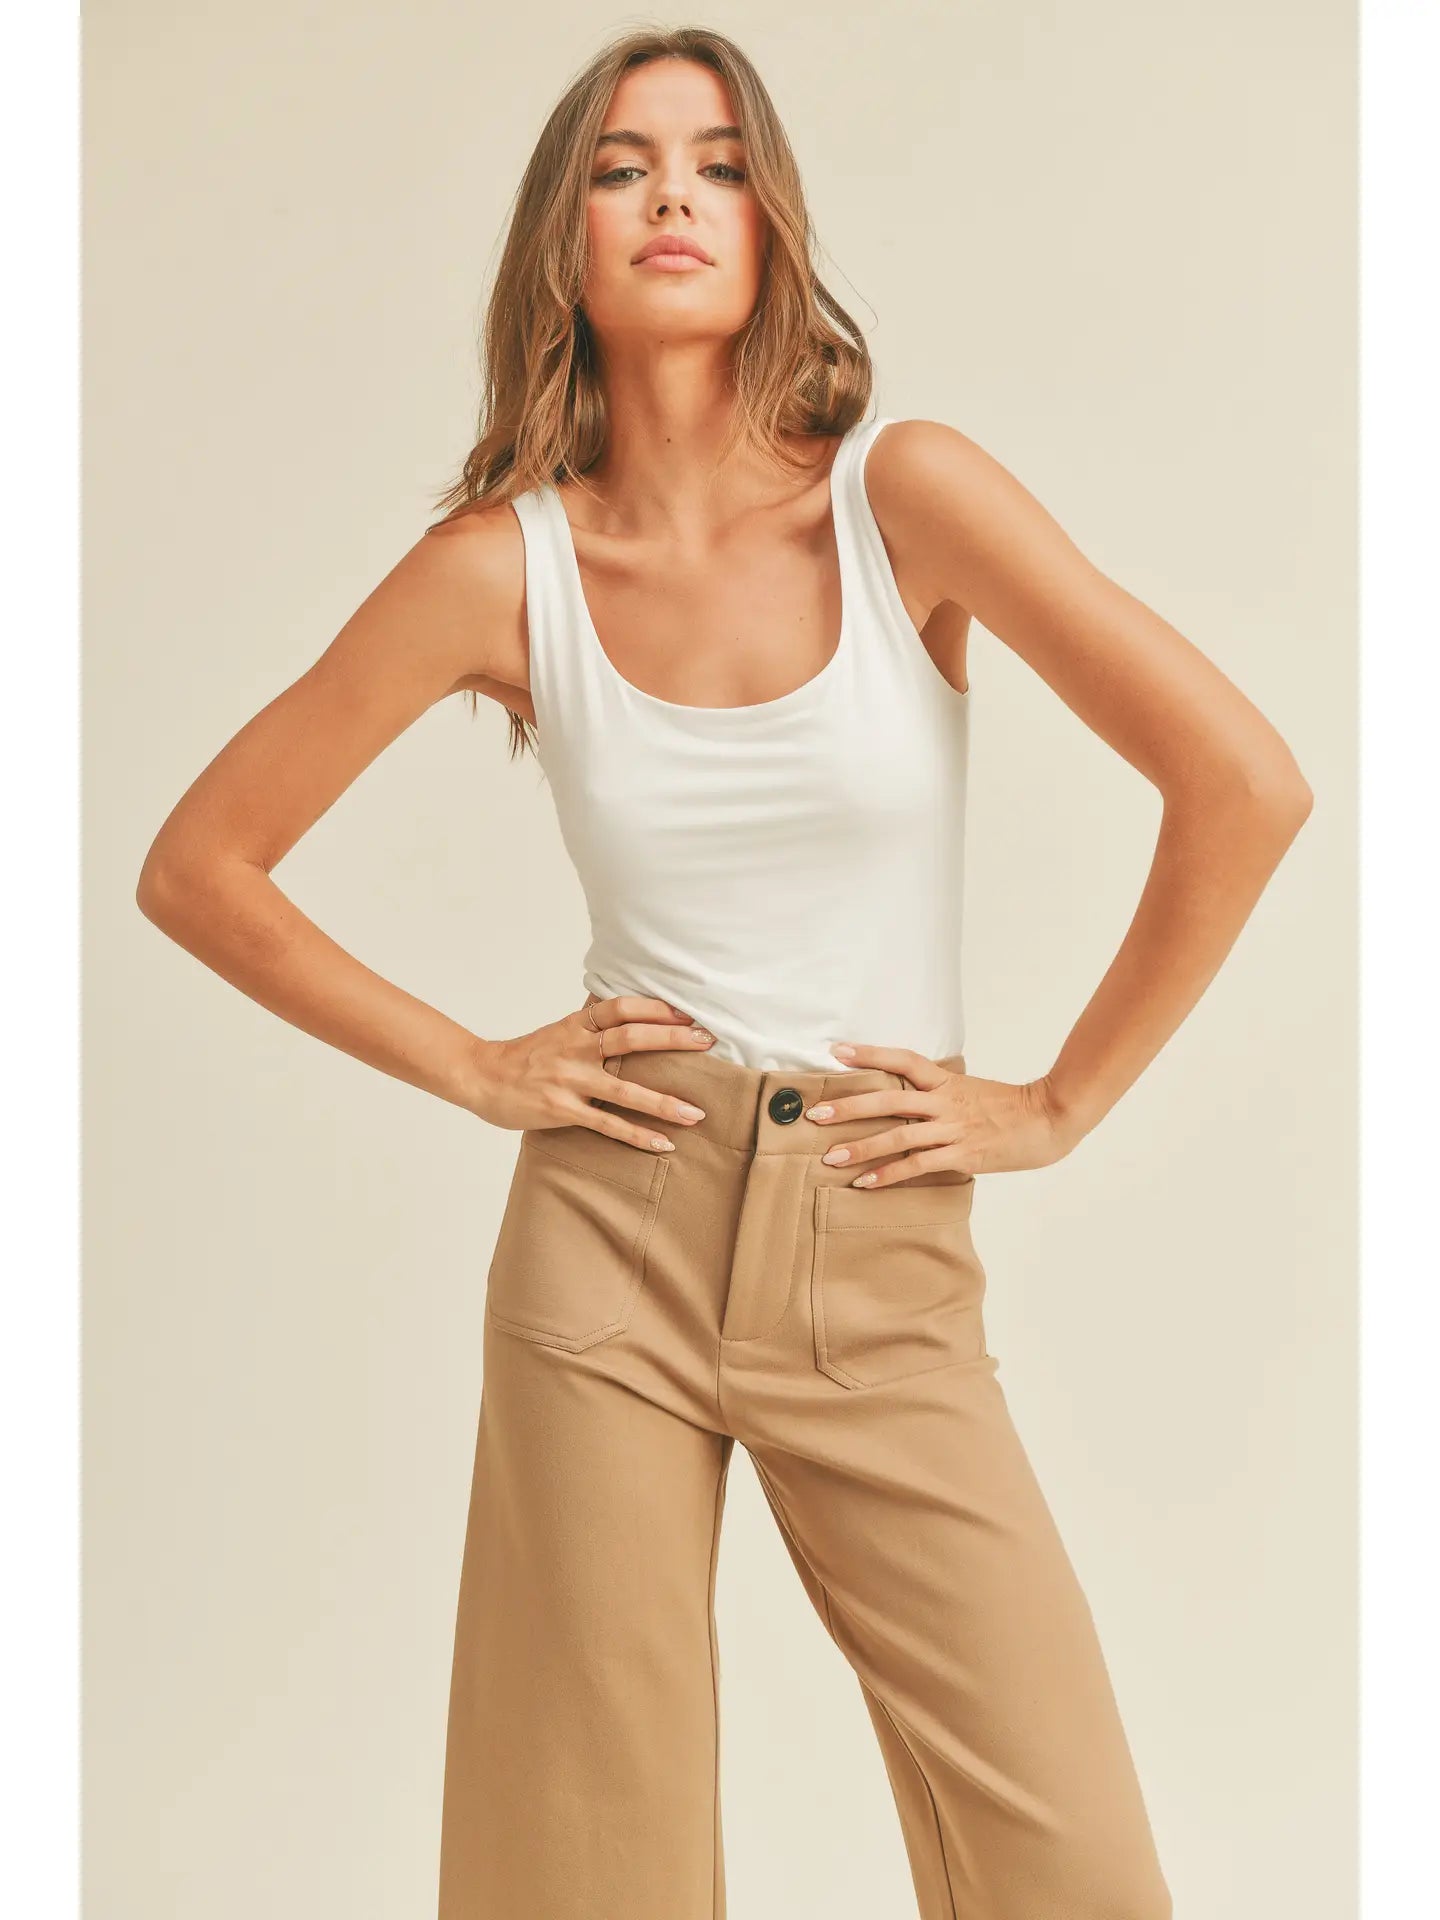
800	696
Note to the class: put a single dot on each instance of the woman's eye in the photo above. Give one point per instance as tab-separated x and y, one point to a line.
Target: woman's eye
620	176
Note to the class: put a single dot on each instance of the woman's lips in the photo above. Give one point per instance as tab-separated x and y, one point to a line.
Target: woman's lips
672	262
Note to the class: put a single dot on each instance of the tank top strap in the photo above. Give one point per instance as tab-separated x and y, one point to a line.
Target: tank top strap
868	575
857	533
561	669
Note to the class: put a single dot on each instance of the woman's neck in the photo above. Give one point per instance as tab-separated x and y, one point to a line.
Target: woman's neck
661	475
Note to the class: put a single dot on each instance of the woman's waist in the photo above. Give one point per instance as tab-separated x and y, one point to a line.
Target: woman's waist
762	1028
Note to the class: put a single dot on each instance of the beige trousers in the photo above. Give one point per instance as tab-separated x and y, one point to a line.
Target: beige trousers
645	1311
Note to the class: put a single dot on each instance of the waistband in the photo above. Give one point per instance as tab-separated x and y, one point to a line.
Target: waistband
751	1108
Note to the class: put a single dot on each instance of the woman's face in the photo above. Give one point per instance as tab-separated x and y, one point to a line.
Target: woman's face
669	165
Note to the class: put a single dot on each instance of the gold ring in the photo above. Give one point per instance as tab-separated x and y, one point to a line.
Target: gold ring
600	1032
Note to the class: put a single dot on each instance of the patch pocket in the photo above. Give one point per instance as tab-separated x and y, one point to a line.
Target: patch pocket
569	1258
896	1285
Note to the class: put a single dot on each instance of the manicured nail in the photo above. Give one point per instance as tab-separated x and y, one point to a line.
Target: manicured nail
699	1033
687	1112
843	1052
818	1113
680	1013
836	1156
865	1180
659	1140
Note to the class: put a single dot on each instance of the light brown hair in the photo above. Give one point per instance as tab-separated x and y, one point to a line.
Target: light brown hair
799	364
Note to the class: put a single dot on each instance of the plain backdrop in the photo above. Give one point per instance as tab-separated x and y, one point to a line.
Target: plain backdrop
1116	245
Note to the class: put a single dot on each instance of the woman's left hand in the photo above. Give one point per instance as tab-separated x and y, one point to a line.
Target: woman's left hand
946	1119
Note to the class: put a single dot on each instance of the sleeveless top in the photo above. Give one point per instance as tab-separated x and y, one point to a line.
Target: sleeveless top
789	873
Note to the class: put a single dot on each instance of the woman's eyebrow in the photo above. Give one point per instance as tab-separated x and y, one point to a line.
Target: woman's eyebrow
628	137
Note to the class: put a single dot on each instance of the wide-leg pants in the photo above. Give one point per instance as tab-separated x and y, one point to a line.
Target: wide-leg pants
647	1309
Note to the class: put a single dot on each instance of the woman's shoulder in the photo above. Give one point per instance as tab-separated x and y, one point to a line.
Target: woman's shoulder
481	527
927	471
478	551
920	447
925	482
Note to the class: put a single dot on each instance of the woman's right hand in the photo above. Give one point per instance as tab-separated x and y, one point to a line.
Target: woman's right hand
549	1078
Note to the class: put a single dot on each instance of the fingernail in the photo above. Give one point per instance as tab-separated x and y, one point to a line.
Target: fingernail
818	1113
843	1051
659	1140
699	1033
836	1156
865	1180
688	1112
679	1012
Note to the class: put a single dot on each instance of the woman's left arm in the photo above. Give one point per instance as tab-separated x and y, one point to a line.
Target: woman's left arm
963	530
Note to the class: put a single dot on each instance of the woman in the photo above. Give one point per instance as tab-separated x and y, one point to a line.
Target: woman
733	612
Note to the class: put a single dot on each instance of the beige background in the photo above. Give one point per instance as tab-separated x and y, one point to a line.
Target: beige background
1114	243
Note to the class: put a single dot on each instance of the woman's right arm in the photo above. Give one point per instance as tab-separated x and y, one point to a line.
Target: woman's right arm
449	614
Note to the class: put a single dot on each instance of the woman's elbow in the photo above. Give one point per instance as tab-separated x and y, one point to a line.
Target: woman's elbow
172	881
158	889
1272	794
1262	793
1279	791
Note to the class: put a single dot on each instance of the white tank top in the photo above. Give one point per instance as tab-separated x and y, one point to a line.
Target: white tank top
789	873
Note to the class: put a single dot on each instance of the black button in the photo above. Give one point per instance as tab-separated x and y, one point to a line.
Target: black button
786	1104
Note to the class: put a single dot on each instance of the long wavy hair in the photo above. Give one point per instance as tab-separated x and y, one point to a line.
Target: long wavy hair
799	365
